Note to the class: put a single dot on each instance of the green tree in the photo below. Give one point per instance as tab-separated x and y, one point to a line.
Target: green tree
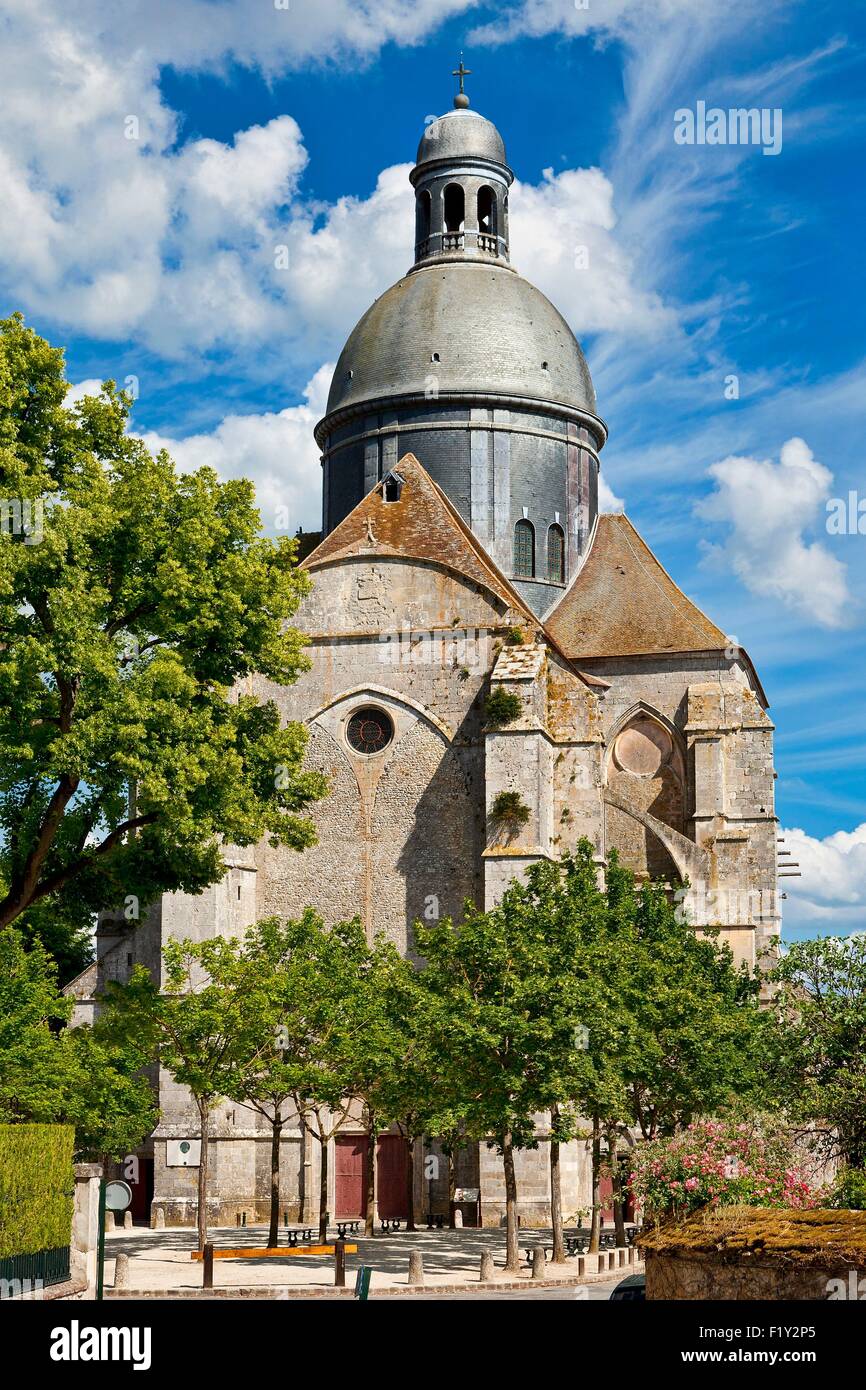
33	1079
820	1049
134	602
322	1032
57	1075
698	1037
194	1026
262	967
297	979
505	1010
394	1064
108	1099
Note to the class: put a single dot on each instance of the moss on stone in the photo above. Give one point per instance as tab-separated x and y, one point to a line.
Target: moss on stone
811	1236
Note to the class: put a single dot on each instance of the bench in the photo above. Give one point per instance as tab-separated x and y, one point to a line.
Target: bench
274	1252
296	1233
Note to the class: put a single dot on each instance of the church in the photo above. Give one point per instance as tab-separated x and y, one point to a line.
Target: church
462	559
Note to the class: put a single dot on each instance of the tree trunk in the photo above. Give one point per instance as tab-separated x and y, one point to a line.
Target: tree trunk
410	1182
276	1131
452	1188
204	1115
595	1226
303	1176
556	1191
370	1206
323	1191
512	1248
616	1186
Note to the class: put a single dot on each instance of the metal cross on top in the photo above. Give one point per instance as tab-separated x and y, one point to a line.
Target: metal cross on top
461	72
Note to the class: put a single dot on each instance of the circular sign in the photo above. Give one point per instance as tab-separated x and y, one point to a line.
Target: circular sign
118	1195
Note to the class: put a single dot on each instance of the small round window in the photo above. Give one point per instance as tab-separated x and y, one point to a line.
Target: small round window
369	730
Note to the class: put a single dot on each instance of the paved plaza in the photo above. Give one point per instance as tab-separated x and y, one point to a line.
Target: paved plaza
160	1260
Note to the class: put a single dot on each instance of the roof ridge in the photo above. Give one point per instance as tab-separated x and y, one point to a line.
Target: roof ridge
688	603
478	549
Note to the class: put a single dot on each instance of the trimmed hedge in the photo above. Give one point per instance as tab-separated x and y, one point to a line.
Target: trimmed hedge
37	1183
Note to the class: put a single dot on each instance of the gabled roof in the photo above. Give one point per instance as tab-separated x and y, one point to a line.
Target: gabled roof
623	603
421	525
424	525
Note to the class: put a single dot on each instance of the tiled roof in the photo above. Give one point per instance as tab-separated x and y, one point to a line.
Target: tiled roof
623	603
421	525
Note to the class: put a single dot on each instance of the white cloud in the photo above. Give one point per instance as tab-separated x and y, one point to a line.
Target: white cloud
275	450
108	228
564	240
607	500
832	889
614	18
76	393
768	507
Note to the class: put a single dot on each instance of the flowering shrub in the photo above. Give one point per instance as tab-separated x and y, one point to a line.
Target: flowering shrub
719	1163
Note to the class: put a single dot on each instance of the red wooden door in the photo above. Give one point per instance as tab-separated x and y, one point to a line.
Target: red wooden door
392	1164
350	1173
605	1197
142	1191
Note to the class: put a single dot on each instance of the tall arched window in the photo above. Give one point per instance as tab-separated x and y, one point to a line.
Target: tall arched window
422	216
556	554
487	211
524	550
455	207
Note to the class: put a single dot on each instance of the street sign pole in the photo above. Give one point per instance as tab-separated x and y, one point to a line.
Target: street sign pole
113	1196
100	1251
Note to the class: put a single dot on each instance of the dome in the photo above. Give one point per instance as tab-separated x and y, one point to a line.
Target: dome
461	134
472	329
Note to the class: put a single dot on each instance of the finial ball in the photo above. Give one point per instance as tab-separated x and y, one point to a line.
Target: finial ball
461	101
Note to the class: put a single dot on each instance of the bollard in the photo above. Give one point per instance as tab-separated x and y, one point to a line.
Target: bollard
538	1263
581	1264
339	1264
109	1220
458	1219
207	1266
159	1220
602	1262
121	1272
416	1269
620	1258
486	1267
127	1220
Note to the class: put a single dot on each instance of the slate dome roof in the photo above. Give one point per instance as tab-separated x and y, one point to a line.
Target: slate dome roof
494	333
461	134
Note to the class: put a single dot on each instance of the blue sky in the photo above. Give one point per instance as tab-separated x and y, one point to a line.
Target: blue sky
260	125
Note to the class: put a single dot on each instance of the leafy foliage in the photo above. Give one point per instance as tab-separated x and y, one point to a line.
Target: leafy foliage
53	1074
715	1163
36	1188
849	1190
501	707
127	616
820	1058
508	808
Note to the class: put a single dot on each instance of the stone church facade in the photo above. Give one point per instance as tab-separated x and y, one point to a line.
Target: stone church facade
463	552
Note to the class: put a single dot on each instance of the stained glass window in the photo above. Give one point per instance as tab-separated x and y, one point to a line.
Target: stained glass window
369	730
524	550
556	555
